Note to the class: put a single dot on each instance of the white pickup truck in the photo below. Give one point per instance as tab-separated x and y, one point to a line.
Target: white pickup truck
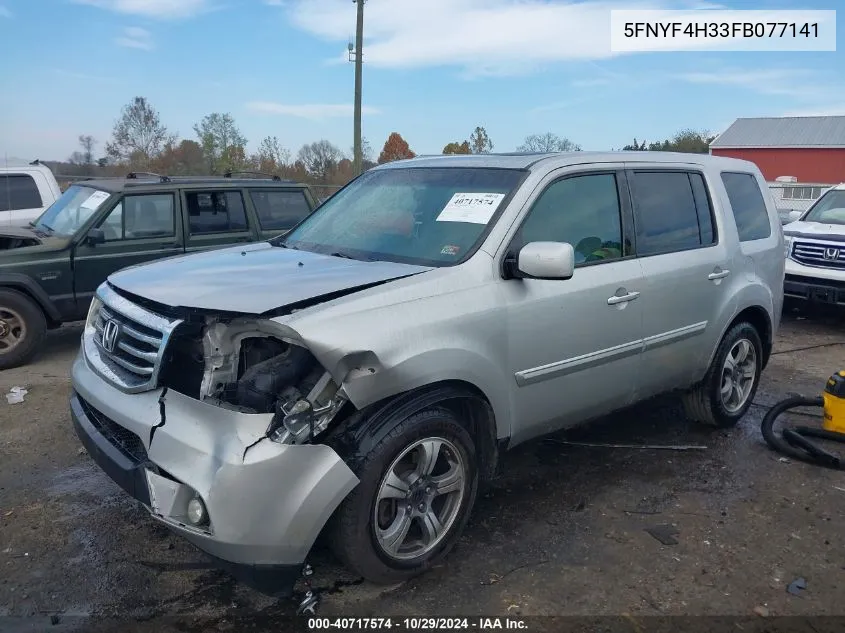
815	251
25	191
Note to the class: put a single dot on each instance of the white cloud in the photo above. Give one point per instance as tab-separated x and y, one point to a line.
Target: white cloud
4	12
159	9
501	37
136	37
314	111
825	110
775	81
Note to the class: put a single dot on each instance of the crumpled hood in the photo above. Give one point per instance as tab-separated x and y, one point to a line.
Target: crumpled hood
816	230
252	279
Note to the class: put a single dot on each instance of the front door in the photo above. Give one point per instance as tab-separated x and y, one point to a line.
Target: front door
278	210
574	344
138	229
688	275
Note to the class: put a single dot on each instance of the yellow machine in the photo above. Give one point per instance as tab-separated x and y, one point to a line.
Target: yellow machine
834	403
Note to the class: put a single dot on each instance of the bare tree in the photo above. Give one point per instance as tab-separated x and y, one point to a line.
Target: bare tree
87	142
547	142
320	159
138	135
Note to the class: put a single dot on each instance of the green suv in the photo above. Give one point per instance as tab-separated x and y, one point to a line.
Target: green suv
50	270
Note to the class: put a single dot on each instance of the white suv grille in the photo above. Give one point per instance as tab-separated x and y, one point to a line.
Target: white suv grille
124	342
819	254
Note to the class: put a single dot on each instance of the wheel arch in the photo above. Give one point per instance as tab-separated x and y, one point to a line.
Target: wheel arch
29	288
759	317
364	428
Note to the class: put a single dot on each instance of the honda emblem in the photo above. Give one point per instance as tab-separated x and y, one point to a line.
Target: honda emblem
111	332
831	253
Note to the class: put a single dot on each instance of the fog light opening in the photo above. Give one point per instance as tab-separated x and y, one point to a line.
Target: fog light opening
197	514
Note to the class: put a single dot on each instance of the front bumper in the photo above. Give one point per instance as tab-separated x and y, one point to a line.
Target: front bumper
814	290
266	502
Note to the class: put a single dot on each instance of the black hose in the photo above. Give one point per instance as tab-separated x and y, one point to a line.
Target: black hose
793	441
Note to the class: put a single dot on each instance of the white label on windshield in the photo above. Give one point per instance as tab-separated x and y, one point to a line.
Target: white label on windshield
95	200
476	208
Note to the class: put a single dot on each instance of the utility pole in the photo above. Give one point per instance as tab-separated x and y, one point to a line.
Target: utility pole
358	160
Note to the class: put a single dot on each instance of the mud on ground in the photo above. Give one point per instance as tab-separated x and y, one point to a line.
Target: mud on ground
563	531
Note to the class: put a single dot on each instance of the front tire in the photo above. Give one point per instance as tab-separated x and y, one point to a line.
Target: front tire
728	388
417	488
22	328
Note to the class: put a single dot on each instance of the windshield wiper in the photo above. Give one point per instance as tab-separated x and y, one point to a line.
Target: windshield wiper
341	255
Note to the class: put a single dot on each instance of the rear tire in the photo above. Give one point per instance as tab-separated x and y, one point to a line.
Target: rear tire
397	523
22	328
731	382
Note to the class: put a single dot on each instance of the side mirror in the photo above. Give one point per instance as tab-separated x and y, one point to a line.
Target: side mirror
96	236
544	260
794	215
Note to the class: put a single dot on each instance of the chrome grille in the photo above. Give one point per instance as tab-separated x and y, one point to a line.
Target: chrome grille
124	342
821	255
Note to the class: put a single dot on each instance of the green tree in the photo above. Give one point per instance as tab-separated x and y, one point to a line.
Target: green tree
479	141
636	146
222	142
138	135
320	160
457	148
546	143
271	156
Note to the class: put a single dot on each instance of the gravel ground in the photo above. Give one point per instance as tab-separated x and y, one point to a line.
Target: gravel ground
562	532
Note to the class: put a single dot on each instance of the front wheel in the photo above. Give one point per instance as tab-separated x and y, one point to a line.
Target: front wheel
417	488
728	389
22	328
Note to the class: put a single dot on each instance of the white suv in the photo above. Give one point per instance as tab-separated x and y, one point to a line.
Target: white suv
815	251
25	191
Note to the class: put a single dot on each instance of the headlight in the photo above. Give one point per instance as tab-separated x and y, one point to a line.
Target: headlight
787	245
93	311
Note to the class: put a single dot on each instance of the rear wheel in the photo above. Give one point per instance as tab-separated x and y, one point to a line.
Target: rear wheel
728	389
416	490
22	328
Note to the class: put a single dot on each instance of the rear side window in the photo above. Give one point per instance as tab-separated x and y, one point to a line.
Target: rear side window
18	191
279	210
215	212
671	212
749	206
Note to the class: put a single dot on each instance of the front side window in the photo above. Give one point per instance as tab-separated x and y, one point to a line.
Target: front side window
830	208
583	211
279	210
137	217
432	216
73	209
666	216
749	206
18	191
215	212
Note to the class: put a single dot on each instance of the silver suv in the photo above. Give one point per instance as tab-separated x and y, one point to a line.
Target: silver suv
363	373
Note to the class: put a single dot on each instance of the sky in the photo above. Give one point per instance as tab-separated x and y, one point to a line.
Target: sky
433	71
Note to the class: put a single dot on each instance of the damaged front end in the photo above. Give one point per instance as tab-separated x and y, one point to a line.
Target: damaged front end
212	416
241	364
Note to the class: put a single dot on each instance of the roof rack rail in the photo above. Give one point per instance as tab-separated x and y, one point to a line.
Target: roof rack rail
133	175
275	177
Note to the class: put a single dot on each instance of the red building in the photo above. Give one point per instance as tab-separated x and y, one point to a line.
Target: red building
810	148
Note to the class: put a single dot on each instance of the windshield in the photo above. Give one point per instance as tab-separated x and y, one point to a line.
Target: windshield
418	215
71	210
829	209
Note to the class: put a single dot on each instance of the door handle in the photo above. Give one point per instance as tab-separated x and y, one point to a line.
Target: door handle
617	299
720	275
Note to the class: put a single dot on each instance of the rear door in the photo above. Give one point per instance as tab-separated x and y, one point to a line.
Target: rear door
139	228
687	273
278	210
216	218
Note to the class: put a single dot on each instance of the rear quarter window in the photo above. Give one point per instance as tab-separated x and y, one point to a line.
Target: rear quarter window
279	210
749	206
18	191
